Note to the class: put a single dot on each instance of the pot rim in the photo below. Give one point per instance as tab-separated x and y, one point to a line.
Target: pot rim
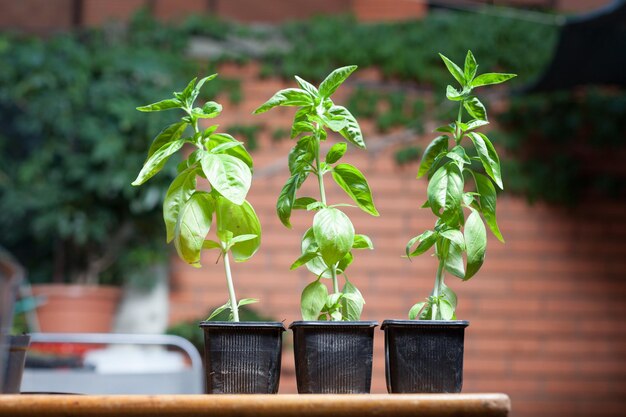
244	324
424	323
321	323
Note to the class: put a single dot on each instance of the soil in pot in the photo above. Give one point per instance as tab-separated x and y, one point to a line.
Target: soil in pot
18	345
423	356
333	357
242	357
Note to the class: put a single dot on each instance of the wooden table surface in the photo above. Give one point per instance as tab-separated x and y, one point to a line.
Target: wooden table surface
396	405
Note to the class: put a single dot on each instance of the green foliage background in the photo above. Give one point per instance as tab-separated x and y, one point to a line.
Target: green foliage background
70	140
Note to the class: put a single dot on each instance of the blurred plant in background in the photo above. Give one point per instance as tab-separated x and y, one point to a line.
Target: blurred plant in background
69	147
69	140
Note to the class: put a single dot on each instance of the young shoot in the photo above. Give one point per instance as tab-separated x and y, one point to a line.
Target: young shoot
189	211
327	246
447	169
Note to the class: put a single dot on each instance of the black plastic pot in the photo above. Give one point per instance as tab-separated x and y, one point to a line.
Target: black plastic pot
333	357
18	345
242	357
424	356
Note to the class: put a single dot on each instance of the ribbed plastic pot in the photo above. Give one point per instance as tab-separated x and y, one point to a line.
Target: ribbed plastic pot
423	356
333	357
18	345
242	357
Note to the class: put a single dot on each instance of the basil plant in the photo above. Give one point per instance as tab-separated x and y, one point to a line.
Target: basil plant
188	210
327	246
447	169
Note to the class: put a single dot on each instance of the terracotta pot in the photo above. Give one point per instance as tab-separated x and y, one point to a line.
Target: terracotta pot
76	308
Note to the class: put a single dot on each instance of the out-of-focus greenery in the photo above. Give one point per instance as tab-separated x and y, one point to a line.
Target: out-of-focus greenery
562	146
408	50
70	145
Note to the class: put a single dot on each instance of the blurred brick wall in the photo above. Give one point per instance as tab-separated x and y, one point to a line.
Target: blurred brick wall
546	310
44	16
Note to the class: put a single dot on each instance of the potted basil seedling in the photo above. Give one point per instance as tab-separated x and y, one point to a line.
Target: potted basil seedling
425	353
333	349
240	357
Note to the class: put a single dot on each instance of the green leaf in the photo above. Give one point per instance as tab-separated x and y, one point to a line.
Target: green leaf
449	295
344	263
455	236
473	124
211	244
230	176
426	313
488	156
209	131
454	260
352	181
193	225
336	315
315	265
238	151
156	162
303	203
286	200
302	156
243	238
334	234
454	70
219	310
362	242
469	70
333	299
458	154
316	205
244	224
445	191
225	236
307	86
446	310
177	195
488	203
313	300
286	97
438	146
414	312
475	108
426	239
161	105
169	134
187	92
352	131
301	123
246	301
210	110
225	146
491	78
445	129
198	86
353	302
336	152
475	243
303	259
455	95
335	79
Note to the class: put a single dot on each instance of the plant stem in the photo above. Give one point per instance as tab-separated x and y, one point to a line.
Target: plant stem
320	174
439	278
459	119
333	274
231	288
436	290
